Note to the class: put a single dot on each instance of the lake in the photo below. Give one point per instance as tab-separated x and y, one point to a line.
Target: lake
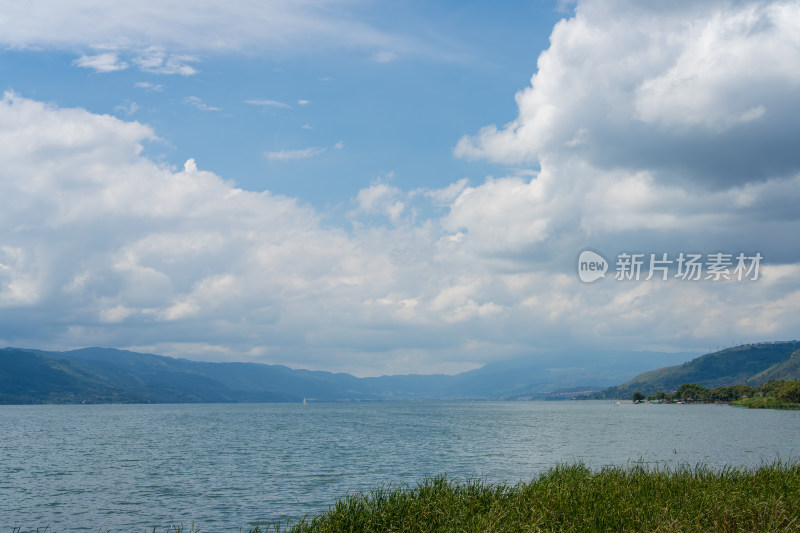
231	466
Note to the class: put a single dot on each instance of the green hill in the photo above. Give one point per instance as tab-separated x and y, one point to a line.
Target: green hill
104	375
741	364
785	370
32	376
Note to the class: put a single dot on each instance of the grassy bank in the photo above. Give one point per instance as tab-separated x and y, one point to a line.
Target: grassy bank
575	498
765	403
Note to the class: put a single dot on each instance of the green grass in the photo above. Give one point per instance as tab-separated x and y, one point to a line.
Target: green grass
636	498
575	498
769	402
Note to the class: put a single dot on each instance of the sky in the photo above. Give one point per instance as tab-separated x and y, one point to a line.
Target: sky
404	187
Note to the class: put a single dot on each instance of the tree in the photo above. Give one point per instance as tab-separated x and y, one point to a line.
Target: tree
771	387
638	397
790	392
658	396
692	391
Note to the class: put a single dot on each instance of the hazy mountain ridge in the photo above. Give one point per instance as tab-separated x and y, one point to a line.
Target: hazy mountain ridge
750	364
102	375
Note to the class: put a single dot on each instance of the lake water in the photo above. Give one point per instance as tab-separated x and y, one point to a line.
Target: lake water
226	467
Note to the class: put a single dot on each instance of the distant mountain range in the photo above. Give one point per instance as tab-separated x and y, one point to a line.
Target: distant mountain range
105	375
749	364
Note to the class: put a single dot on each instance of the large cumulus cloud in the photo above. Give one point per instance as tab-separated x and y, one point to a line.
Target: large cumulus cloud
702	92
100	245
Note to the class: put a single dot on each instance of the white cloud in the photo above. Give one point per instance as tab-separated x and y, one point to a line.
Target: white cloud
381	199
157	61
303	102
201	27
116	314
106	62
267	103
201	24
705	91
147	86
304	153
104	246
17	282
289	155
129	108
732	65
197	103
448	194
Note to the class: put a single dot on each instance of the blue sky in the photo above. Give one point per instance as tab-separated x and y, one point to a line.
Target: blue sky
390	188
393	112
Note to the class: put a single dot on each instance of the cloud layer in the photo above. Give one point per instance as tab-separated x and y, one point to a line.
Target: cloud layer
164	37
646	137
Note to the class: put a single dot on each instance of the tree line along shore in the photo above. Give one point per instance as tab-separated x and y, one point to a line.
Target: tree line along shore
775	394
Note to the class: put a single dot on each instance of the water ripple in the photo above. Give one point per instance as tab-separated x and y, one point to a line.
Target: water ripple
226	467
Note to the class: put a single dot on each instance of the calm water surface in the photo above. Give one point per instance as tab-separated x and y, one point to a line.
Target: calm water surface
126	467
